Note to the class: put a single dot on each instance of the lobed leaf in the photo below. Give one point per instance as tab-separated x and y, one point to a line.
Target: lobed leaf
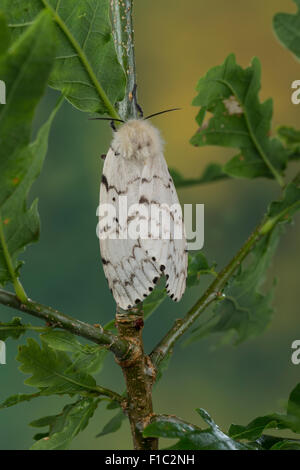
230	94
192	437
63	428
86	68
13	329
85	357
52	371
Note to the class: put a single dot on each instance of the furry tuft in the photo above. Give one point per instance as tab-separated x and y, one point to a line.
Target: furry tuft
137	139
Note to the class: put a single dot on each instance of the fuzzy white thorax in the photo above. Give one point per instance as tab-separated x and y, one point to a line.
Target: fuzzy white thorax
137	139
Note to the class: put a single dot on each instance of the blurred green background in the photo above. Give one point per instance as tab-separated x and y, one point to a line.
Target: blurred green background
176	43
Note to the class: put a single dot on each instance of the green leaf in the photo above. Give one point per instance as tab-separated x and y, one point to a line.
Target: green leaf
45	421
197	267
4	34
19	398
85	357
168	427
25	69
291	139
86	67
192	437
254	429
267	442
53	371
153	301
113	405
287	444
281	211
213	172
62	341
113	424
287	30
163	366
244	311
239	120
288	205
291	420
13	329
64	428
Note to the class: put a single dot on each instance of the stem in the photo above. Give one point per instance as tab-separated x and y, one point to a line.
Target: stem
84	60
15	280
36	329
213	293
122	25
122	348
106	392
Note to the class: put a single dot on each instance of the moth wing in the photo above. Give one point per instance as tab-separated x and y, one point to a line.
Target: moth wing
168	251
129	271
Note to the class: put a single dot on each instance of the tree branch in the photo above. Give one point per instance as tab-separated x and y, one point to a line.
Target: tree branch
122	348
213	293
106	392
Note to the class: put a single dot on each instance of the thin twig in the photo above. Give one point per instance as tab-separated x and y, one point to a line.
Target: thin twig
106	392
121	348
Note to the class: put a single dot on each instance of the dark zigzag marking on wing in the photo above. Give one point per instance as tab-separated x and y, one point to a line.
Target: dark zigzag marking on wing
144	200
112	186
146	180
131	277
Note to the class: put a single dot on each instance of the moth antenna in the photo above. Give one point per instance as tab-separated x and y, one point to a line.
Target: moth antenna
138	107
105	119
112	125
162	112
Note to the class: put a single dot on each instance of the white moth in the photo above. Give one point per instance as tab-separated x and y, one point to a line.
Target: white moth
135	167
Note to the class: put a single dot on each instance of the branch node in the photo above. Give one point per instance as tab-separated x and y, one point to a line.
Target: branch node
133	353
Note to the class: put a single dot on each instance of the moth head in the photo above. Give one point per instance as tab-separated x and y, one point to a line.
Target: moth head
137	139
